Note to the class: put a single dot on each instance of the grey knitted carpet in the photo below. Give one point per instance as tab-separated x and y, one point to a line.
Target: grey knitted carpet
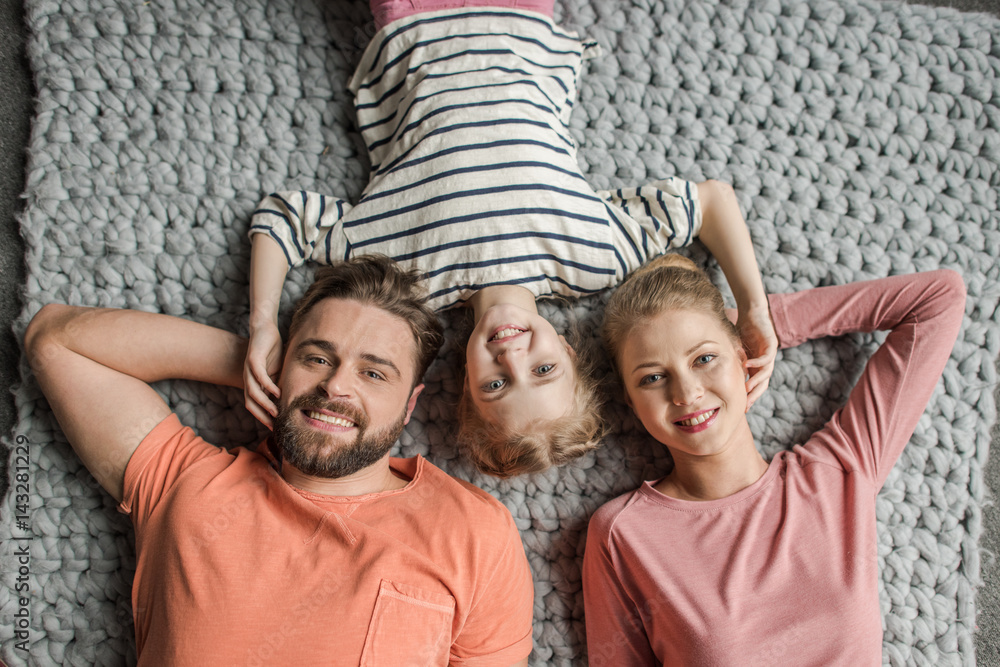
863	139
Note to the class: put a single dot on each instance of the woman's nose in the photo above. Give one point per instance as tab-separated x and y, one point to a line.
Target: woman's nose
685	391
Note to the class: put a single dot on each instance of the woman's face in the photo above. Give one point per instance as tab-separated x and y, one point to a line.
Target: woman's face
684	377
518	369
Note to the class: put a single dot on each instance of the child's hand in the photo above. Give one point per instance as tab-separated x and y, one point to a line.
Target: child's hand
761	344
262	364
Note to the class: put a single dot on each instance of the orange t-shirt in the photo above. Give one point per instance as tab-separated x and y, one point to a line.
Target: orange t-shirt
236	567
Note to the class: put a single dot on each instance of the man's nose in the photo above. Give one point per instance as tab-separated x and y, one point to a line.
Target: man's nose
337	383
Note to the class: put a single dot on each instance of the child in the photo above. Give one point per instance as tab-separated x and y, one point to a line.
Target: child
474	180
730	559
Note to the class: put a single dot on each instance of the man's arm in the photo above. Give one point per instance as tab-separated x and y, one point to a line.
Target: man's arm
94	366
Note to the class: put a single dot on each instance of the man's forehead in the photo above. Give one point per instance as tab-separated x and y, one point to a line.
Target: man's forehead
347	323
347	316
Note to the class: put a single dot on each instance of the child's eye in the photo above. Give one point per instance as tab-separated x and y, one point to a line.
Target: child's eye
545	369
494	385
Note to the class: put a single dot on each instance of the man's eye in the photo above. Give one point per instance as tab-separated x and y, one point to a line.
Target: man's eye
494	385
316	360
545	369
375	375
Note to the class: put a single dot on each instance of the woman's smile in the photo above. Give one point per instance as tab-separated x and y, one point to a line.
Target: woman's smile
698	421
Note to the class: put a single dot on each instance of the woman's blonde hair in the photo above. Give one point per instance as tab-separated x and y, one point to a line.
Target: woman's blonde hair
668	282
503	452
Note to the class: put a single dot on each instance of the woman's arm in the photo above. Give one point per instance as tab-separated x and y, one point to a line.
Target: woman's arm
95	365
615	634
724	232
923	313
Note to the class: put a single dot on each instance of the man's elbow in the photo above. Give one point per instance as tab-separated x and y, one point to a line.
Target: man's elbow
42	339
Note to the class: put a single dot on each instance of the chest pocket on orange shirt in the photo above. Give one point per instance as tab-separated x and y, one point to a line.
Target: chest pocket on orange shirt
409	626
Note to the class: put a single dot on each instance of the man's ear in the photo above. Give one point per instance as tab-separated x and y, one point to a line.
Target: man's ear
412	403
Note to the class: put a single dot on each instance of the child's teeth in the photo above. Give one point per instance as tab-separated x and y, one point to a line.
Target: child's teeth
506	332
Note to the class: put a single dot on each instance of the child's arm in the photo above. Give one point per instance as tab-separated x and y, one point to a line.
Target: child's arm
264	353
724	232
287	229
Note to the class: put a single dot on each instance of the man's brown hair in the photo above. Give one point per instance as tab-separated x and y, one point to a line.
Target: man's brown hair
378	281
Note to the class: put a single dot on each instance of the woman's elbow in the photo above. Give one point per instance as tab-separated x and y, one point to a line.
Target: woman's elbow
945	295
953	284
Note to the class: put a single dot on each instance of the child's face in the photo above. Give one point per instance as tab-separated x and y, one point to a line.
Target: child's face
685	380
518	369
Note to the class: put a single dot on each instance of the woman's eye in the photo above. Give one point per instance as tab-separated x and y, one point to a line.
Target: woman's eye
494	385
704	359
649	379
545	369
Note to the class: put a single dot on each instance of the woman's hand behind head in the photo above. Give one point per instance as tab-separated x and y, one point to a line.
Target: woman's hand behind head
761	345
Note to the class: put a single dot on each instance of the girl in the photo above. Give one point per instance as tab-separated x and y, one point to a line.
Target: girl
474	181
729	559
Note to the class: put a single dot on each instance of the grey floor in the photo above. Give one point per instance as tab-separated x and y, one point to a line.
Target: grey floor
15	121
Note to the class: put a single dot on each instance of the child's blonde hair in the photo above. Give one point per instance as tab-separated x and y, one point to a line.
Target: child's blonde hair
503	452
668	282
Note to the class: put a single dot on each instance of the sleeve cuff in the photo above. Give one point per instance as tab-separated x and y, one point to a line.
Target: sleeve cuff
160	434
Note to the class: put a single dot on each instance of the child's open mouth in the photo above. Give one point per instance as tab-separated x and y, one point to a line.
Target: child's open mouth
506	331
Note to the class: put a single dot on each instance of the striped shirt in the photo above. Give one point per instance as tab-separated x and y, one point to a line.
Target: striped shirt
474	177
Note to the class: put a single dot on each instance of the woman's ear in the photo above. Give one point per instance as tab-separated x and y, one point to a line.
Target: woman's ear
743	363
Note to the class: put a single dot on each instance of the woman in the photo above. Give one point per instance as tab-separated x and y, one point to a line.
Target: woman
730	559
474	181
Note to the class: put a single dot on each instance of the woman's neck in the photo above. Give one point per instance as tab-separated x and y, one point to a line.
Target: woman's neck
496	295
716	476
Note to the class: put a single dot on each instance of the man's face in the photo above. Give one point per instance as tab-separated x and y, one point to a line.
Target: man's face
345	388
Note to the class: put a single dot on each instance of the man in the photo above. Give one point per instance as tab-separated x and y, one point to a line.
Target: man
320	548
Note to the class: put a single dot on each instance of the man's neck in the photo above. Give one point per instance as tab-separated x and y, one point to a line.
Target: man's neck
376	478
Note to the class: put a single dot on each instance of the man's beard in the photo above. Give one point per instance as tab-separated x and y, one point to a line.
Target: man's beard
314	453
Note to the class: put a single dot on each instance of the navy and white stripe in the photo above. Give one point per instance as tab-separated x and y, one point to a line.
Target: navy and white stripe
474	174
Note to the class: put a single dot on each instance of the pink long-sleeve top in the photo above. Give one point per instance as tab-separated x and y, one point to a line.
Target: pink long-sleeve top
785	570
